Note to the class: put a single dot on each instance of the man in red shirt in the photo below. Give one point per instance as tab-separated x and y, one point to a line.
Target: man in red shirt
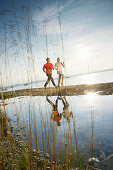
47	68
55	116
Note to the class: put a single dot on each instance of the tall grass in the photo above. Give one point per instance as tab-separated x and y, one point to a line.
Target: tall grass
18	152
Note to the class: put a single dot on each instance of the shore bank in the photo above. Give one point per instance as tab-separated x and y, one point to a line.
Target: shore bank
102	88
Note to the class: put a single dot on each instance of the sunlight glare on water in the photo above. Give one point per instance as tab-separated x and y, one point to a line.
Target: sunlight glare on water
91	98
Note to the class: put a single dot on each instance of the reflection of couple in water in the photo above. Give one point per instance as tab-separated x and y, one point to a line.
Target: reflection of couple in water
56	116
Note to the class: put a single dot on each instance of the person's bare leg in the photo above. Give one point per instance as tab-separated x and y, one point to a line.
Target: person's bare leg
49	101
66	101
59	80
62	80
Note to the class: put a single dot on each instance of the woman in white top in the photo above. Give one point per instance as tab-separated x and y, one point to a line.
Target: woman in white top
59	66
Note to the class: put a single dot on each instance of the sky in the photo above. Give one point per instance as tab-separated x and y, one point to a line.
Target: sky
80	32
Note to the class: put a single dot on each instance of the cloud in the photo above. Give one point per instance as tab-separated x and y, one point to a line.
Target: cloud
66	5
49	13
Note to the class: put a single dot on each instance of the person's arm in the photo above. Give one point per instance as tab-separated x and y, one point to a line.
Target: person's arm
44	68
61	115
56	66
52	67
63	64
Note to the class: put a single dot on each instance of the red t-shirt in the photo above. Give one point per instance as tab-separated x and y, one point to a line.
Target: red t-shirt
48	67
57	117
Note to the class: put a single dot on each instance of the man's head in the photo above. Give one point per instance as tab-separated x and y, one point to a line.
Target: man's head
48	60
58	123
58	59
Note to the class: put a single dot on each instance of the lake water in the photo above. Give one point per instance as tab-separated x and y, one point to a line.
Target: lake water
89	112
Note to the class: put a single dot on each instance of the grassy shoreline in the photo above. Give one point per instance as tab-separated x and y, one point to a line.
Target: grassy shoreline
102	88
15	153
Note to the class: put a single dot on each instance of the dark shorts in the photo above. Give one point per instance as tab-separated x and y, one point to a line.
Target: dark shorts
49	75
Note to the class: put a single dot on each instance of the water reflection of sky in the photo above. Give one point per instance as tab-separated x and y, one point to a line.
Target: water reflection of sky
86	110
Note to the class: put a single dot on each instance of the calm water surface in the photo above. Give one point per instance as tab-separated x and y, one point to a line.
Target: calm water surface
89	112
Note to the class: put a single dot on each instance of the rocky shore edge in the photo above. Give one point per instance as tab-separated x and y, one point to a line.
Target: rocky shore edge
101	88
